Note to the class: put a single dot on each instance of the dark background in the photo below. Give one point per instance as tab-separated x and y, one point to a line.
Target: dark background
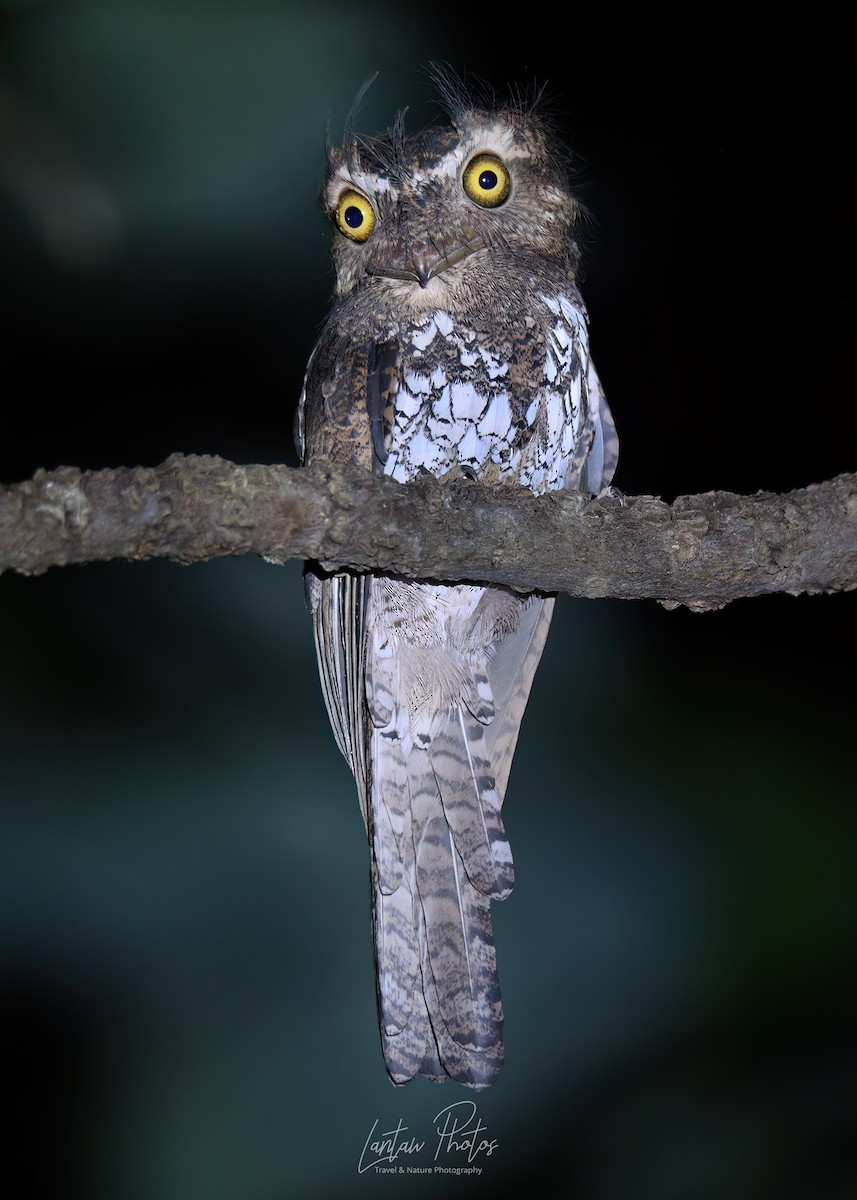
187	995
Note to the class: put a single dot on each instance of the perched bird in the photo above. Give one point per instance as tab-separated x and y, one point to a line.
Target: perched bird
457	344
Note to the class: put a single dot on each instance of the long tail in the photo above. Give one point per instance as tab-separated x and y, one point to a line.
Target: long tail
441	856
431	774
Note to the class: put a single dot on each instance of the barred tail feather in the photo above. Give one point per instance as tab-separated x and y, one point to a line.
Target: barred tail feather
428	720
438	991
471	805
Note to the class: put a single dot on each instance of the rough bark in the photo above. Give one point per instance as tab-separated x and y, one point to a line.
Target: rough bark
701	551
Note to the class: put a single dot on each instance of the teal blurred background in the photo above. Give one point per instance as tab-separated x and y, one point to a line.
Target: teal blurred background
186	970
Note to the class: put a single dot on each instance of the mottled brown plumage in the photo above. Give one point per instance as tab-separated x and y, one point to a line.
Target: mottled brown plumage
457	344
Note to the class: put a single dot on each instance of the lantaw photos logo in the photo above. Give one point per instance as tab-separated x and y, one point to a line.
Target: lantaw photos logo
457	1145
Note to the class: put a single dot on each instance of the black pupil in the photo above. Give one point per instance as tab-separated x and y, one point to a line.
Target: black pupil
353	217
487	180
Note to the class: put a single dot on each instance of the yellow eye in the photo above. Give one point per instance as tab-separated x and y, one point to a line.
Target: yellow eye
486	180
355	216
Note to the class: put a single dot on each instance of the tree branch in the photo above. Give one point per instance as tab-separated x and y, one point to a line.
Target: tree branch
701	551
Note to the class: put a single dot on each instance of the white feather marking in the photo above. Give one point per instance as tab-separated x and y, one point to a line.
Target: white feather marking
420	385
441	405
497	419
425	337
444	322
466	401
471	447
407	404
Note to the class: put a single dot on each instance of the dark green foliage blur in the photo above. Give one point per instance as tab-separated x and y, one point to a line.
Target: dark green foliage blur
185	955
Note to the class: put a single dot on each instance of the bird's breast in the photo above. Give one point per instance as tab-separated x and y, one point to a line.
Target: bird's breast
500	406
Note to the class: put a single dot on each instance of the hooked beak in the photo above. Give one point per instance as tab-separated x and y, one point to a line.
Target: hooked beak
423	261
